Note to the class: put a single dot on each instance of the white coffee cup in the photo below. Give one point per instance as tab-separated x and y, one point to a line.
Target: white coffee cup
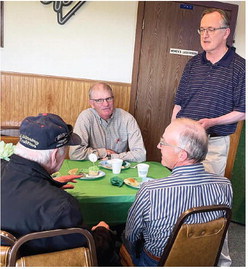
142	169
116	165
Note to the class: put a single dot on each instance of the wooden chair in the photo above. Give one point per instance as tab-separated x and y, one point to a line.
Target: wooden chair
9	240
192	244
81	256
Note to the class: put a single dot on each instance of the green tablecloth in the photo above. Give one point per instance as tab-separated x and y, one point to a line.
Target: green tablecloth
99	200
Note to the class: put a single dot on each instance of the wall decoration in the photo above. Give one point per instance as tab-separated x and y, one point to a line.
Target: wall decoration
58	8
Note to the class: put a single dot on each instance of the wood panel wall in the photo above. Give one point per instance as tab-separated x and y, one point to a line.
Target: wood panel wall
25	95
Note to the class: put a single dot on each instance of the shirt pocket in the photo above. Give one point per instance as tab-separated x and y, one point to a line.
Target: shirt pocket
121	142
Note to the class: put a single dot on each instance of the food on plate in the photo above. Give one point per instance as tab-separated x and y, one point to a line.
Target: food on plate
73	171
93	171
76	171
132	182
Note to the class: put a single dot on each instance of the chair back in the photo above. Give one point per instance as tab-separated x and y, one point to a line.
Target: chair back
125	257
196	244
9	240
82	256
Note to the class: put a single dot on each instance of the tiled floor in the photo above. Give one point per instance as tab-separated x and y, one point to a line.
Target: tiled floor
236	240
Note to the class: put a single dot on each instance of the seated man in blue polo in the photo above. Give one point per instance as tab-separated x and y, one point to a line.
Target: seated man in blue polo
31	199
160	202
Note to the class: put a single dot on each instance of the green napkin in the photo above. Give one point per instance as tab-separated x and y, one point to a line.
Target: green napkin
116	181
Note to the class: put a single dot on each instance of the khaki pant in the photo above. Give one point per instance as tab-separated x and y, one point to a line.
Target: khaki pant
216	159
218	148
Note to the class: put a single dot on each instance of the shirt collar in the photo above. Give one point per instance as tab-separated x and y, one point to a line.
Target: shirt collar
188	169
224	61
101	120
32	166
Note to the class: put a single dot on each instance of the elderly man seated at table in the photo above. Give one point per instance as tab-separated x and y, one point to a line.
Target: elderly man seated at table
31	200
107	131
159	202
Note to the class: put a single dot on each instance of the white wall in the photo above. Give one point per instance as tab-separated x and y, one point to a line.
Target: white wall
239	35
96	43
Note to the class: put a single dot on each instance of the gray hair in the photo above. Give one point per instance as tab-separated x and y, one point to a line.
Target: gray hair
224	15
193	139
98	85
40	156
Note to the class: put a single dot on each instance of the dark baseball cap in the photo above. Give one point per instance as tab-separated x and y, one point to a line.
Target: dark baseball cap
47	131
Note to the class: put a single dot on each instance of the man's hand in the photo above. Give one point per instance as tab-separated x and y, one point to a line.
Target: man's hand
207	123
100	224
67	186
67	178
110	151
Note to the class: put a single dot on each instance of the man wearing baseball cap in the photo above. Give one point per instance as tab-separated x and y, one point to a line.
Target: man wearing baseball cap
31	199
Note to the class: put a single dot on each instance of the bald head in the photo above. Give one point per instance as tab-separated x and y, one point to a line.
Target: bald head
190	136
101	86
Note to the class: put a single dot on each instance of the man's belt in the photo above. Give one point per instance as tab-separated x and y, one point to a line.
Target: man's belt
214	135
156	258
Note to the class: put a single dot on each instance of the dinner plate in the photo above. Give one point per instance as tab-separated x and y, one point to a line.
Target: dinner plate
107	164
129	184
100	174
146	179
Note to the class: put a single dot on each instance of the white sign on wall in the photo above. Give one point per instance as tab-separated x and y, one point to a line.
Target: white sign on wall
183	52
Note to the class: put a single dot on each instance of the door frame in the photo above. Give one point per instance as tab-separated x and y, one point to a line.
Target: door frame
137	56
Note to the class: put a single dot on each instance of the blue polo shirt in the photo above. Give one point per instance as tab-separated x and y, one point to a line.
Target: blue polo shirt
209	90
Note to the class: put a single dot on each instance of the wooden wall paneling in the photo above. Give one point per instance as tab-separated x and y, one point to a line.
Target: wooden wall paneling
9	139
24	95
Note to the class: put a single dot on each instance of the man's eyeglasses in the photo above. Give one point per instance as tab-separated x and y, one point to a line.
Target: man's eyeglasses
209	30
163	143
100	101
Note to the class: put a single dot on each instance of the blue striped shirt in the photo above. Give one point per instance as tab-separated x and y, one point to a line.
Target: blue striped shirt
209	90
160	202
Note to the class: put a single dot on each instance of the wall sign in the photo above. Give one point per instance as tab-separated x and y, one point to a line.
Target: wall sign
183	52
58	8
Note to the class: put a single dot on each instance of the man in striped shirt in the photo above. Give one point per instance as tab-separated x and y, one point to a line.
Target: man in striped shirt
160	202
212	88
